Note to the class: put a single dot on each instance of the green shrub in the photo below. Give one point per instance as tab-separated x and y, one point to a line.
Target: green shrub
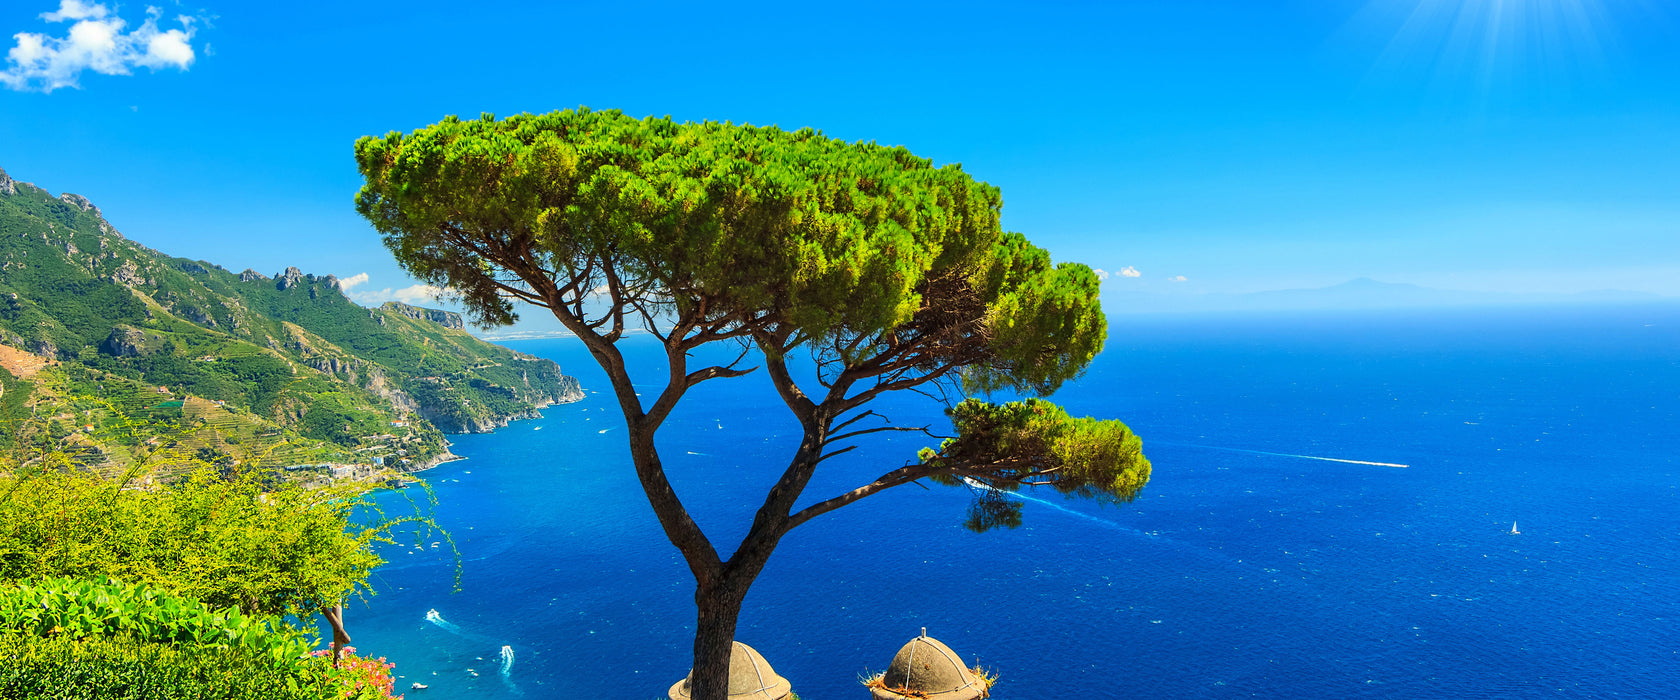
63	638
122	668
105	608
287	550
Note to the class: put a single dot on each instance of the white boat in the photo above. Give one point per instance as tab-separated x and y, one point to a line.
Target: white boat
1514	528
418	686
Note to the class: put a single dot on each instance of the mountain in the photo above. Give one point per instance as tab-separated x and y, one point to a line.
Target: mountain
1362	293
114	351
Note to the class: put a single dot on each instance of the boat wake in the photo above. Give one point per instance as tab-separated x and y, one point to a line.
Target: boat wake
1084	516
507	670
1284	454
433	617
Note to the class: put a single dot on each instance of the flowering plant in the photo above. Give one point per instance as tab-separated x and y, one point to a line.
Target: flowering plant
362	678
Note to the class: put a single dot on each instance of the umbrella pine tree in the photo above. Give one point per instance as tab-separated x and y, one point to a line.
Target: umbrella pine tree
885	273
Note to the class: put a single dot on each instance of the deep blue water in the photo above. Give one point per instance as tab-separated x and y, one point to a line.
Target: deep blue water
1236	574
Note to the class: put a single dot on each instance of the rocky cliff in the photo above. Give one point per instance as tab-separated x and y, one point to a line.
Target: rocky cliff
447	319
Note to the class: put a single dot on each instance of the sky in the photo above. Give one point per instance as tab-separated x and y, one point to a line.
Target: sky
1183	148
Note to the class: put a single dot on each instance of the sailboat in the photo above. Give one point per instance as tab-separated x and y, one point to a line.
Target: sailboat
1514	528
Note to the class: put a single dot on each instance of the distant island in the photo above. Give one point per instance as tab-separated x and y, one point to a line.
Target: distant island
113	352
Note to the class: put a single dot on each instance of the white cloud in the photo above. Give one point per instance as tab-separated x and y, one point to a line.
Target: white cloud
353	280
1129	271
1180	278
1101	274
97	42
418	294
75	9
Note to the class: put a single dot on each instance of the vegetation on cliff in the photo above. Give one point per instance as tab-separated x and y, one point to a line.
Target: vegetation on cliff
113	351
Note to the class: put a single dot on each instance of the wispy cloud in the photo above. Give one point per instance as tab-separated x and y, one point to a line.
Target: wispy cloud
1179	278
1101	273
1129	271
96	41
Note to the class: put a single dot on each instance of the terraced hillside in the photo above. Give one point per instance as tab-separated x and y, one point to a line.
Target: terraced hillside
124	356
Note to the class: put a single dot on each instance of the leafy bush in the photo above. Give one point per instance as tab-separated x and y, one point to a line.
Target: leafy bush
106	608
122	668
63	638
227	542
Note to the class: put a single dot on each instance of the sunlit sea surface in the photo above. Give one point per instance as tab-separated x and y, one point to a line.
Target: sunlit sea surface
1236	574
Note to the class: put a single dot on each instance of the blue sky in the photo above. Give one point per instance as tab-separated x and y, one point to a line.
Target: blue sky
1503	145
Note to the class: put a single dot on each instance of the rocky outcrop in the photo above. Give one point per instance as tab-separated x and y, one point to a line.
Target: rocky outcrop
387	390
194	314
451	422
250	275
7	186
127	275
126	341
193	268
292	277
447	319
566	390
440	458
81	203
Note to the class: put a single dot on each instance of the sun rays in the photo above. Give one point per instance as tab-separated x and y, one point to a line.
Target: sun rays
1488	45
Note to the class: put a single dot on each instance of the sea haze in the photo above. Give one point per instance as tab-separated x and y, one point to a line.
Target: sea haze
1235	574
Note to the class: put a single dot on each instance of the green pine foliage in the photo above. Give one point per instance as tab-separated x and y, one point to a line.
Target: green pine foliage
889	273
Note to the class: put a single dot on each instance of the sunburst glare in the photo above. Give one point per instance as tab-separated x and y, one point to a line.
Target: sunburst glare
1488	45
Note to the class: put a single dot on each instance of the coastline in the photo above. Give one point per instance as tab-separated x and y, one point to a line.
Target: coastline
440	458
535	411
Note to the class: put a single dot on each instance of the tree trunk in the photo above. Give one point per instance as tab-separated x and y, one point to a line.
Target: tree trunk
335	618
714	640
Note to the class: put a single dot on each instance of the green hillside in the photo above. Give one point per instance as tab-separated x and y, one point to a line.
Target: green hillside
121	355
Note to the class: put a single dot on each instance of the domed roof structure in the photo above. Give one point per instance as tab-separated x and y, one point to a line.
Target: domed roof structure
926	668
750	678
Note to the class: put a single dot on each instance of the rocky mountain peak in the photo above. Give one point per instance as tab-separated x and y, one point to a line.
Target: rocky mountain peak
80	202
250	275
7	187
292	277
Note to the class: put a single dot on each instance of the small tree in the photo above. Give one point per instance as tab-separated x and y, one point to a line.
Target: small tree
889	274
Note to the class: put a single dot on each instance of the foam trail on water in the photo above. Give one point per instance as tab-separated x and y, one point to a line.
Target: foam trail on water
507	669
1040	501
1282	454
433	617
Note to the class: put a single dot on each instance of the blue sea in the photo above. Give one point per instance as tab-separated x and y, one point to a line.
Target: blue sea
1247	568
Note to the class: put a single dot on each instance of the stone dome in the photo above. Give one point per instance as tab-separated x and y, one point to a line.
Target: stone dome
926	668
750	678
